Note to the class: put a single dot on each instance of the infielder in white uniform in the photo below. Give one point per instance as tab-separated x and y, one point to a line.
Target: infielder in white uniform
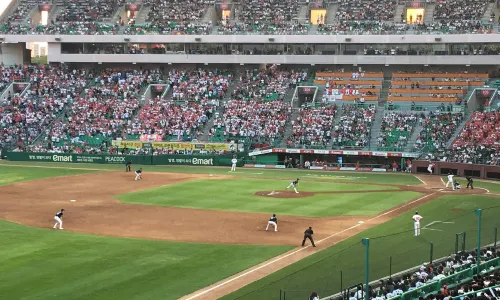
233	166
294	185
58	218
416	223
273	221
450	181
429	168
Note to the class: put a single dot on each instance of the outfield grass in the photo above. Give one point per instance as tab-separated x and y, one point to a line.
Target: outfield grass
48	264
10	174
321	272
288	174
239	195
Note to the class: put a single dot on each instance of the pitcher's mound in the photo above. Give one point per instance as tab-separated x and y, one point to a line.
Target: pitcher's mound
284	194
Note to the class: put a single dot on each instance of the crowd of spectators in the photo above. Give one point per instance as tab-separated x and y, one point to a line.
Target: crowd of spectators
199	84
268	84
373	10
362	28
477	142
459	9
277	14
429	273
313	127
9	74
99	114
396	129
85	10
257	121
263	28
24	117
354	127
438	128
172	120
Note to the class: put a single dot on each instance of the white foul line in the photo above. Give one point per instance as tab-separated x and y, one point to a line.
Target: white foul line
487	191
301	249
420	179
443	181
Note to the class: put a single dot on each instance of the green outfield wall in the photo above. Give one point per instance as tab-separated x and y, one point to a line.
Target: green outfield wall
191	160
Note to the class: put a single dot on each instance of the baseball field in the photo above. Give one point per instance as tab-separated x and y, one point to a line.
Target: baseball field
199	232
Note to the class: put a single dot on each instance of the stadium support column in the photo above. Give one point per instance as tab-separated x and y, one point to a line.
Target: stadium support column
479	213
366	242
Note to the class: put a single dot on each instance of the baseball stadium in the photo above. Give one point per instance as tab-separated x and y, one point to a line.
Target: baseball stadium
249	149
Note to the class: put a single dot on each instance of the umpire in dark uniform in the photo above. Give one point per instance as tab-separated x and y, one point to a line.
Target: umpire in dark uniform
470	182
308	234
128	166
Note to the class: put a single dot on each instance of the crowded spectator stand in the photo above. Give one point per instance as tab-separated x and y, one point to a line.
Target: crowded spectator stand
313	127
353	130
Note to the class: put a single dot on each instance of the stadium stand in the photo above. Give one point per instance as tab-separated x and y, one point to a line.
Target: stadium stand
353	130
396	130
476	143
438	127
374	10
313	127
356	86
174	17
257	121
200	84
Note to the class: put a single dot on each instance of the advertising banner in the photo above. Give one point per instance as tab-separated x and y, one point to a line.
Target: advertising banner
194	160
178	146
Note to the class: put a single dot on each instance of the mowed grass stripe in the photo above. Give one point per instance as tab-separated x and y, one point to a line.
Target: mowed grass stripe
10	174
239	195
334	176
43	264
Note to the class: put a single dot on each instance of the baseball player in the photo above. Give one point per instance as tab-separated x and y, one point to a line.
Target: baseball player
138	174
457	185
450	181
294	185
470	182
416	223
128	166
58	218
429	168
308	234
233	164
273	221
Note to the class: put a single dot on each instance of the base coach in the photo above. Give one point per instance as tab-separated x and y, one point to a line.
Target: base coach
308	234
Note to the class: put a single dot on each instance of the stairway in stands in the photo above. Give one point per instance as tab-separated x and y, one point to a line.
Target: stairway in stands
376	126
331	14
400	10
384	91
142	14
487	13
429	13
295	114
410	147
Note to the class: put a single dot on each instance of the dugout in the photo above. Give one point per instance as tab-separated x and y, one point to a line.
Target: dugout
329	160
459	169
